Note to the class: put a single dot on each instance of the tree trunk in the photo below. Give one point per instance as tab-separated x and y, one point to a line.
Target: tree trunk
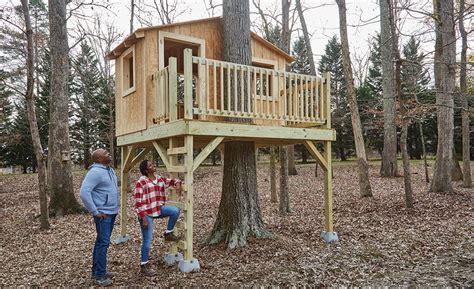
132	14
59	169
425	162
466	165
30	105
456	172
307	40
239	213
291	161
284	195
389	155
273	192
364	182
446	61
406	165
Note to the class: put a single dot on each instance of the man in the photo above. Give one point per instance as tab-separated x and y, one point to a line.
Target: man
99	193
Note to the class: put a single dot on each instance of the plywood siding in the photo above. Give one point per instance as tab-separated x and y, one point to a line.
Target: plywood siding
131	109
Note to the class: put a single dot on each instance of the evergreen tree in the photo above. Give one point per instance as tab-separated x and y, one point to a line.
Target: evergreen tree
87	103
331	62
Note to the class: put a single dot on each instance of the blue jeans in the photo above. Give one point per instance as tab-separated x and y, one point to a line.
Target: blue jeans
104	229
147	234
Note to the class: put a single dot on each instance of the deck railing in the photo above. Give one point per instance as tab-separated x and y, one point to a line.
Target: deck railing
223	90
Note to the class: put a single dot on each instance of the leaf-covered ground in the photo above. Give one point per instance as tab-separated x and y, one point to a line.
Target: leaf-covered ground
381	242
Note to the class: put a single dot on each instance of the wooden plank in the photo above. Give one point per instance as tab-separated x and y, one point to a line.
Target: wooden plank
189	180
176	169
316	154
173	89
180	205
255	131
157	132
188	84
136	159
160	149
176	151
206	151
123	192
327	96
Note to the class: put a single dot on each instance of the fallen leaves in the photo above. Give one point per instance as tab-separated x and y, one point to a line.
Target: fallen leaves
381	242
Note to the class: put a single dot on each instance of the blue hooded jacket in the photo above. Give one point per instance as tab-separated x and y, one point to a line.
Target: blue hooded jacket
99	191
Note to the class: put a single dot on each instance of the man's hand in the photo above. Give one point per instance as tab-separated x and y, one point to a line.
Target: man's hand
145	223
101	216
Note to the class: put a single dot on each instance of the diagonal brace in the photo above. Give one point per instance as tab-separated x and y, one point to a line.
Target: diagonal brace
206	151
316	154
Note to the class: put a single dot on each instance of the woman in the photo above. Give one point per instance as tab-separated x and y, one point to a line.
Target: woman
150	199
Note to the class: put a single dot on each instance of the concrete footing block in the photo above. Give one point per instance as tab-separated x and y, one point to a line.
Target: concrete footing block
188	266
121	239
329	237
172	259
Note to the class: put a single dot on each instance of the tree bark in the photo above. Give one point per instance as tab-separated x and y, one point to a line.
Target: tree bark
406	165
132	14
33	123
291	161
59	170
389	155
307	40
456	172
239	213
466	165
446	62
425	162
273	192
363	166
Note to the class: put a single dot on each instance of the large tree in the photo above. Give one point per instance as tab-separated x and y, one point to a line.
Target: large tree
239	213
59	149
445	76
331	62
363	166
387	42
33	124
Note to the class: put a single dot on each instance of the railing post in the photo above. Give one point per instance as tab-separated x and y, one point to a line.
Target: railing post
327	99
173	89
188	83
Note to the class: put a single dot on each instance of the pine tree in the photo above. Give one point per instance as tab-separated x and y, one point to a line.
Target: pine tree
331	62
87	102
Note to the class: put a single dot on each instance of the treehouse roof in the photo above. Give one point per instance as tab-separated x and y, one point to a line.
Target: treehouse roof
140	33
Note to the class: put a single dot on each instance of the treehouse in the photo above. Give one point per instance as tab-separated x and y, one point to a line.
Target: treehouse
174	94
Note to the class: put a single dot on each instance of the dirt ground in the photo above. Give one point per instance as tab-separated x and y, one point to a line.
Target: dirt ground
381	242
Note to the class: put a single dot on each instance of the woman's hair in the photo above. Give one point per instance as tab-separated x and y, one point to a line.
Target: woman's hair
143	166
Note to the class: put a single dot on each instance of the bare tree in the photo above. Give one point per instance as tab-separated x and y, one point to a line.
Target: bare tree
445	74
364	182
132	14
388	42
273	193
166	10
59	149
239	212
406	164
30	104
465	106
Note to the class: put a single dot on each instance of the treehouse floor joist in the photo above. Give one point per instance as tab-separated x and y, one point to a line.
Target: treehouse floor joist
180	137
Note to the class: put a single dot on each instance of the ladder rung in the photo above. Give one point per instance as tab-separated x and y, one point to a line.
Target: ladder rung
182	245
181	225
180	205
176	151
177	169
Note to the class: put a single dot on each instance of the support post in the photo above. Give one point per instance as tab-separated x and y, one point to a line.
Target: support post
188	83
126	152
173	89
189	264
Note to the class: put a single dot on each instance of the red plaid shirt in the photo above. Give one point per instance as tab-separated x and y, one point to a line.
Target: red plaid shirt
150	195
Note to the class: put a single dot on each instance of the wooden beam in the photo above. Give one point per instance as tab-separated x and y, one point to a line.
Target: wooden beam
188	83
259	131
123	190
156	132
328	189
160	149
206	151
316	154
176	151
140	34
130	150
137	158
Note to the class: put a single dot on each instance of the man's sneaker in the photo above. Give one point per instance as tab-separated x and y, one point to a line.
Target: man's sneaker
170	237
109	275
146	270
103	281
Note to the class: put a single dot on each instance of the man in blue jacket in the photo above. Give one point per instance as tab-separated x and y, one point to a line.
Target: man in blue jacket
99	193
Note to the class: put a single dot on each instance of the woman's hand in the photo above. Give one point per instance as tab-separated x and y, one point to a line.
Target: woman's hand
178	187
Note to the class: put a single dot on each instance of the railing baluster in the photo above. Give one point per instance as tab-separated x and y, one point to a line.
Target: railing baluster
321	100
311	114
228	89
249	94
254	91
207	90
214	84
242	89
235	89
173	89
221	84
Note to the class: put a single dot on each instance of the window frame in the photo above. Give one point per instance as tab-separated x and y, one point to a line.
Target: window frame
123	58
